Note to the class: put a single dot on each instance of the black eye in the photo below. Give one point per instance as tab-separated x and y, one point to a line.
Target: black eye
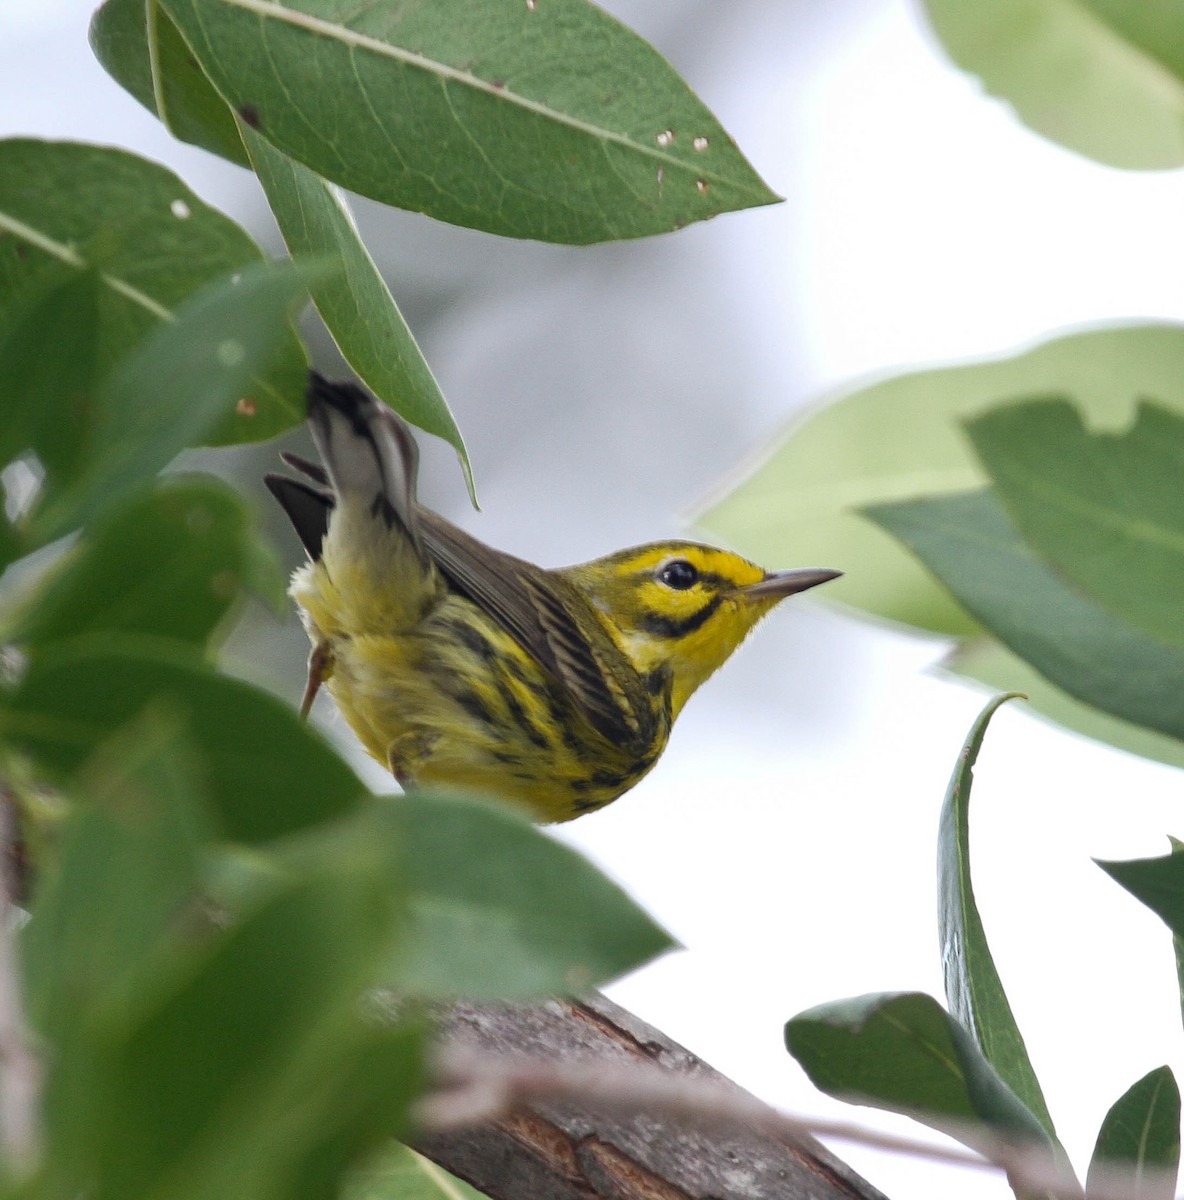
678	574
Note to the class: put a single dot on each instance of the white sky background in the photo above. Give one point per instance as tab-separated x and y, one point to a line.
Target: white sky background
787	837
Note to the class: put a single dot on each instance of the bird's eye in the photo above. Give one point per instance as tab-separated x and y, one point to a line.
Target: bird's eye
678	574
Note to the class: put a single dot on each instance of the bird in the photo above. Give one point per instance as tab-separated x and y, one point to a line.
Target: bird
459	666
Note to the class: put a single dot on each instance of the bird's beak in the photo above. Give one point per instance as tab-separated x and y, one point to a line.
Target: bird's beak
778	584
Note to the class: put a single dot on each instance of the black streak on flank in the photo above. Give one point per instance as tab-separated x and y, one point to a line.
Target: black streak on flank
657	681
472	639
661	625
475	707
249	114
521	719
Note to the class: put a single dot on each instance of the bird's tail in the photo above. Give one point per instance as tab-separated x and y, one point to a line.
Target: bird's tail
369	453
372	551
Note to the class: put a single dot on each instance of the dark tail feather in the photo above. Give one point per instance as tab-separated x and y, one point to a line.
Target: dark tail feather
308	509
306	466
369	453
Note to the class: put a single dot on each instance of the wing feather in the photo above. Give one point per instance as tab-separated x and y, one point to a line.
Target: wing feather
535	607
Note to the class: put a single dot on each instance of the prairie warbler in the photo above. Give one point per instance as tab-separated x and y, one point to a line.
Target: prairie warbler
457	664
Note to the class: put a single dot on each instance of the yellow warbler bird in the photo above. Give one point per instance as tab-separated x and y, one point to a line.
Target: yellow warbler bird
460	665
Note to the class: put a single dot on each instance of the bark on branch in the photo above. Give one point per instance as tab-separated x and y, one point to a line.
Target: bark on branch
551	1151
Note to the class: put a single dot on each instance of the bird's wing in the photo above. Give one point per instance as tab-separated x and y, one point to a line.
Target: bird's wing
535	607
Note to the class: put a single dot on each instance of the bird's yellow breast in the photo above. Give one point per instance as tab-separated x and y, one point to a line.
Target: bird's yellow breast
454	701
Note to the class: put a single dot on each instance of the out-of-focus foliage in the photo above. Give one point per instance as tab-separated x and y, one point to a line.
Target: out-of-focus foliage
230	938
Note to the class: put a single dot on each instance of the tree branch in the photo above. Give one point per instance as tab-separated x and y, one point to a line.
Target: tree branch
552	1149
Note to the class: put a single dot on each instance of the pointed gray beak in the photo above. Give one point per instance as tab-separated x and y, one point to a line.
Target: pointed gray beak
778	584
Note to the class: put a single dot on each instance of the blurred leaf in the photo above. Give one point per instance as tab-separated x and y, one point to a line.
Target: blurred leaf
48	348
901	438
1103	509
1140	1137
355	304
171	562
401	1174
151	243
141	49
122	869
967	542
1102	77
113	899
256	1073
264	771
974	990
902	1052
1157	882
988	662
550	121
11	545
179	382
501	911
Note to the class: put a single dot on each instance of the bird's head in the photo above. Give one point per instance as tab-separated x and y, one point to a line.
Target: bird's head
683	606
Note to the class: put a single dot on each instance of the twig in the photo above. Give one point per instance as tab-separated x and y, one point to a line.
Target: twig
474	1088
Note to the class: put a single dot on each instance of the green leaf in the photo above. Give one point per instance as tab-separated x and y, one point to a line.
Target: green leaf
123	868
172	562
1157	882
355	304
151	243
141	49
901	438
902	1052
988	662
974	990
967	542
548	121
1103	509
1102	77
48	349
1138	1145
257	1073
186	376
499	910
264	771
401	1174
116	897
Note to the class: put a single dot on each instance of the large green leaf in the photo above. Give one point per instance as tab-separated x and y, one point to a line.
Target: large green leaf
48	361
1138	1146
172	562
968	543
142	50
499	910
901	1051
988	662
150	242
355	303
115	883
1103	509
974	990
188	375
1103	77
902	438
116	898
264	771
547	120
257	1072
